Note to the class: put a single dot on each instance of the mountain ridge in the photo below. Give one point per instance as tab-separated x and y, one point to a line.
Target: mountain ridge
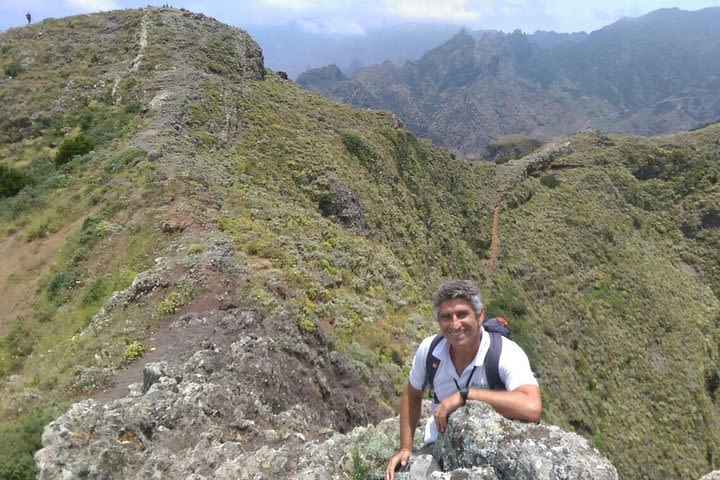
220	197
623	78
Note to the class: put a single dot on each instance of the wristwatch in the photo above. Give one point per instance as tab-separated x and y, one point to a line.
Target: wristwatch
464	394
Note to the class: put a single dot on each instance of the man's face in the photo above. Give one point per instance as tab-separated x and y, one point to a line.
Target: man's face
458	322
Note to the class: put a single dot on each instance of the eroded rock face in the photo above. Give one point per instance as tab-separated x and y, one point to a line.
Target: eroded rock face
479	444
172	427
252	399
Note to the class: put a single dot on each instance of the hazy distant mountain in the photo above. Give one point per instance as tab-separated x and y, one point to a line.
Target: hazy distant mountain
655	74
552	39
294	50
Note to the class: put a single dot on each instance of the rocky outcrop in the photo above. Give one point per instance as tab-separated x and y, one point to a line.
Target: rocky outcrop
485	446
712	476
253	394
340	201
194	421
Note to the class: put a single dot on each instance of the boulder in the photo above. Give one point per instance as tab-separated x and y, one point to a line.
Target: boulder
479	444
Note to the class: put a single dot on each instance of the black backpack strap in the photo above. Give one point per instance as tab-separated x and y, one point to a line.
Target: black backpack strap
492	359
431	365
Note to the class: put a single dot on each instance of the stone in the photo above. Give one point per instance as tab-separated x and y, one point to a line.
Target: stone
478	436
714	475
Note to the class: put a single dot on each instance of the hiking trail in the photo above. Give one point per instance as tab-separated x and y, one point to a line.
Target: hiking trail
508	175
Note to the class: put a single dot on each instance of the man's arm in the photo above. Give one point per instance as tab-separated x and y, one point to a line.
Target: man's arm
410	408
523	403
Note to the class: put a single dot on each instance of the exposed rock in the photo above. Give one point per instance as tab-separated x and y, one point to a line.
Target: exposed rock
712	476
540	161
246	401
183	425
341	201
478	436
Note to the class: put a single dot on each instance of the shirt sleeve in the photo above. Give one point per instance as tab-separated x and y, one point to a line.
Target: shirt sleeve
514	366
417	372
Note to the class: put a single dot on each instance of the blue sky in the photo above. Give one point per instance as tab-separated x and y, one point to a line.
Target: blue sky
353	17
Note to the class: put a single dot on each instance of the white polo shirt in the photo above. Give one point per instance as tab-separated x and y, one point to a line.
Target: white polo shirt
513	367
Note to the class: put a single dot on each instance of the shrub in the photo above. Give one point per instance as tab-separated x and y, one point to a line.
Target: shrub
73	147
359	468
194	248
12	181
59	284
15	346
355	145
95	292
20	439
133	106
549	181
13	69
134	351
170	304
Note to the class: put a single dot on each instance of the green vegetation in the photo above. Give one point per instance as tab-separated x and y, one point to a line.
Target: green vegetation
134	351
608	268
73	147
13	69
358	468
12	181
83	213
549	181
614	295
509	147
20	438
172	302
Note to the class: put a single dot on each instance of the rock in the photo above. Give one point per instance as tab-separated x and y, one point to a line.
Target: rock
423	466
152	374
170	226
715	475
241	406
478	436
340	201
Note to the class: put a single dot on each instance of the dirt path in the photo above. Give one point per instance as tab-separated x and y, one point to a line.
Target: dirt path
491	264
509	175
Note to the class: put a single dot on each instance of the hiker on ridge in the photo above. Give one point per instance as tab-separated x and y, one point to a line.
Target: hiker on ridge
468	363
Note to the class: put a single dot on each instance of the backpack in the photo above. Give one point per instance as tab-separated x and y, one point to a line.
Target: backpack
496	328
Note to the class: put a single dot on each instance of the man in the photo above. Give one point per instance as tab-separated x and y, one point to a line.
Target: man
461	375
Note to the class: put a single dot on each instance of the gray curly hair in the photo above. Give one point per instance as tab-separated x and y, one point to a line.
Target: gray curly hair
453	289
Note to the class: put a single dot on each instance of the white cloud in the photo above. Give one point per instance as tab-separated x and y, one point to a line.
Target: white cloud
291	4
431	10
94	5
330	26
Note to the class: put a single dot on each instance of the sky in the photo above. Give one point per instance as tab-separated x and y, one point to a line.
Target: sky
355	17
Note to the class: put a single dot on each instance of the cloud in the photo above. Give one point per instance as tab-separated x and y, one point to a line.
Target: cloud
330	26
94	5
431	10
290	4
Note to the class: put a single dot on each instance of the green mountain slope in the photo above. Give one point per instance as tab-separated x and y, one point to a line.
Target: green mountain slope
602	252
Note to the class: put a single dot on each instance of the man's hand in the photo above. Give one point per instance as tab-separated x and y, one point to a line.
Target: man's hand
399	460
445	408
